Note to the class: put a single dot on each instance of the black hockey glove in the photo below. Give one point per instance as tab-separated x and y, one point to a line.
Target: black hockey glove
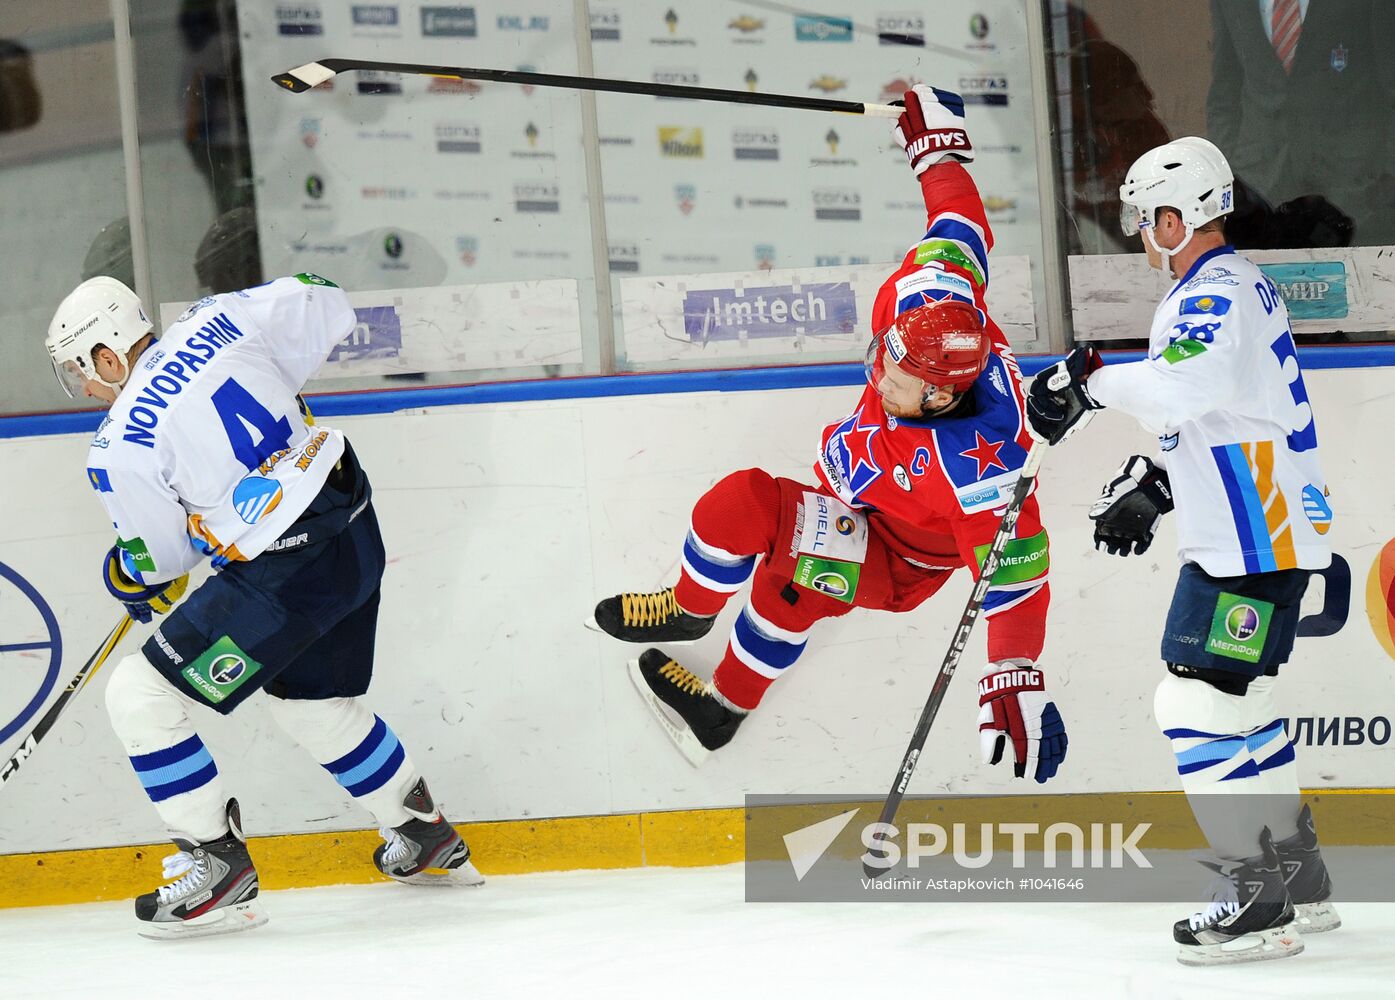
1058	402
1131	507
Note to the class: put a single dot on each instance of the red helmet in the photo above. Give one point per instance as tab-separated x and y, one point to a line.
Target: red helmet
941	343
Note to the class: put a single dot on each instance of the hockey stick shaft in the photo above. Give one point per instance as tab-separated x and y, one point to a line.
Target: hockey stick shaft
302	78
89	669
956	646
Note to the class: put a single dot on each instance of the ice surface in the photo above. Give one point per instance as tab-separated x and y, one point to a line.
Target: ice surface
660	934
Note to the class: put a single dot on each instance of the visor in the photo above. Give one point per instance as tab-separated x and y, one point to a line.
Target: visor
1131	218
874	363
72	378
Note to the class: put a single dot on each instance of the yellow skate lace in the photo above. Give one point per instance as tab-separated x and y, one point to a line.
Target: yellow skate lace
643	610
682	679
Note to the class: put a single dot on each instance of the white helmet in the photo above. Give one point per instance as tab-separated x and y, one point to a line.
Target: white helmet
1189	174
99	312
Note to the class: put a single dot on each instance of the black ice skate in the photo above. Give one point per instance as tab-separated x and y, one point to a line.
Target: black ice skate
648	618
1305	874
1254	924
692	715
425	850
215	892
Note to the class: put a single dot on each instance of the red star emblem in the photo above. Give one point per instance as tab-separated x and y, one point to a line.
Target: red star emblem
858	440
985	453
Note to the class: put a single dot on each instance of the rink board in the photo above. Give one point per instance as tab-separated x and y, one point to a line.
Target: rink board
505	522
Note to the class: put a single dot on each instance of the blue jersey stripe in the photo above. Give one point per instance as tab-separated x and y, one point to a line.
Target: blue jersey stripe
1254	508
953	229
1244	525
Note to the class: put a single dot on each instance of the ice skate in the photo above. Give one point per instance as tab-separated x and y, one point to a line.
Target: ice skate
692	715
1305	874
1252	922
425	850
652	617
215	891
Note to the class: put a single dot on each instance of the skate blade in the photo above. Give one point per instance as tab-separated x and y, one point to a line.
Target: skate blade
675	727
1261	946
224	920
594	626
1316	918
445	878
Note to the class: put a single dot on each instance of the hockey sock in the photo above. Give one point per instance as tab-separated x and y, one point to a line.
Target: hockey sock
1017	625
759	651
151	719
356	747
733	523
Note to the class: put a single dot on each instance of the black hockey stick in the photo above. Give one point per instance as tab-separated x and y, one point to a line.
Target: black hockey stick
302	78
956	649
89	669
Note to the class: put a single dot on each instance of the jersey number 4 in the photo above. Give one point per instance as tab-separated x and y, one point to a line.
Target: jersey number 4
241	415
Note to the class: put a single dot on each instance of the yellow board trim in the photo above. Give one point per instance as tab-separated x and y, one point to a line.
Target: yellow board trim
680	839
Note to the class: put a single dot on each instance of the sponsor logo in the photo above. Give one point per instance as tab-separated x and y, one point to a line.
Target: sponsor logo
1239	627
449	22
1000	209
467	248
743	202
289	542
314	186
1311	290
535	197
458	137
392	245
670	35
751	80
384	135
527	88
452	85
255	497
827	83
1317	509
821	28
677	77
167	649
755	144
624	257
299	19
979	30
823	309
375	16
310	132
832	139
686	196
765	256
221	670
460	194
979	498
988	90
531	134
621	198
617	140
680	141
605	24
377	333
895	89
386	192
901	28
1242	622
520	22
837	204
901	478
375	84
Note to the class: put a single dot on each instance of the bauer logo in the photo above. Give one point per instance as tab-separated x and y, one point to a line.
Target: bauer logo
375	16
299	19
536	197
828	309
901	28
809	28
989	90
755	144
680	141
449	22
459	137
837	204
605	24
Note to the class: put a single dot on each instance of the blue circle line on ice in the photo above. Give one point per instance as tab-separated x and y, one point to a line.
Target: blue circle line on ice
54	645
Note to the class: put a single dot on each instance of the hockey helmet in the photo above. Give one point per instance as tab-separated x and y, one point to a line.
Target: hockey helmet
99	312
1189	174
941	343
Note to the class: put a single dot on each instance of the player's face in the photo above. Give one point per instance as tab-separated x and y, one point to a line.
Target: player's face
903	395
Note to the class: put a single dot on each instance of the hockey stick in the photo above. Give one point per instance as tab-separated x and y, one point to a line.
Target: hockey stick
89	669
956	649
302	78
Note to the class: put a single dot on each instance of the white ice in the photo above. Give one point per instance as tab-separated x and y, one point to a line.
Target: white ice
662	934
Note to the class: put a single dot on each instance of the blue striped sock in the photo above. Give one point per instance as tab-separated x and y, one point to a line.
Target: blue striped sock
175	770
370	765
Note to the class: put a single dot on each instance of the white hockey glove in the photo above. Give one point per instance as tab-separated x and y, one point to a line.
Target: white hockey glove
1014	706
1131	507
931	129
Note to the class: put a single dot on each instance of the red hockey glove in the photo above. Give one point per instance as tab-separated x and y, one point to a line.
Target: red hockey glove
931	129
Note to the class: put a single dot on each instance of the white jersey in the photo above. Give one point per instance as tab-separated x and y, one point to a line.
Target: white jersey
207	439
1223	390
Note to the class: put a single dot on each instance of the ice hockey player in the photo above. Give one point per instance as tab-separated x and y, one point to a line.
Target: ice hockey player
911	486
1223	390
204	452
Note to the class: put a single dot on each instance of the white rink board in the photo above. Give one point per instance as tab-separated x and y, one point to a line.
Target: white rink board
504	523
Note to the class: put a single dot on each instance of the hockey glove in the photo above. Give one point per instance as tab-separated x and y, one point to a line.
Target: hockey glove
1014	707
1059	402
1131	507
931	129
142	602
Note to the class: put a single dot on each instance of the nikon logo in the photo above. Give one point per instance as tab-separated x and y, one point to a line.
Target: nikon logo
680	142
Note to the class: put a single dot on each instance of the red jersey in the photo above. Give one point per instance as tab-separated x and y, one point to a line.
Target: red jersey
935	488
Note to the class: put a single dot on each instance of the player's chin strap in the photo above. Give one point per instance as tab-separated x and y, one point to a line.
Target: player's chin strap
1165	266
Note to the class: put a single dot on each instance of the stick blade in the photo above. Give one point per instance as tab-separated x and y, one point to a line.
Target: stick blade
302	78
